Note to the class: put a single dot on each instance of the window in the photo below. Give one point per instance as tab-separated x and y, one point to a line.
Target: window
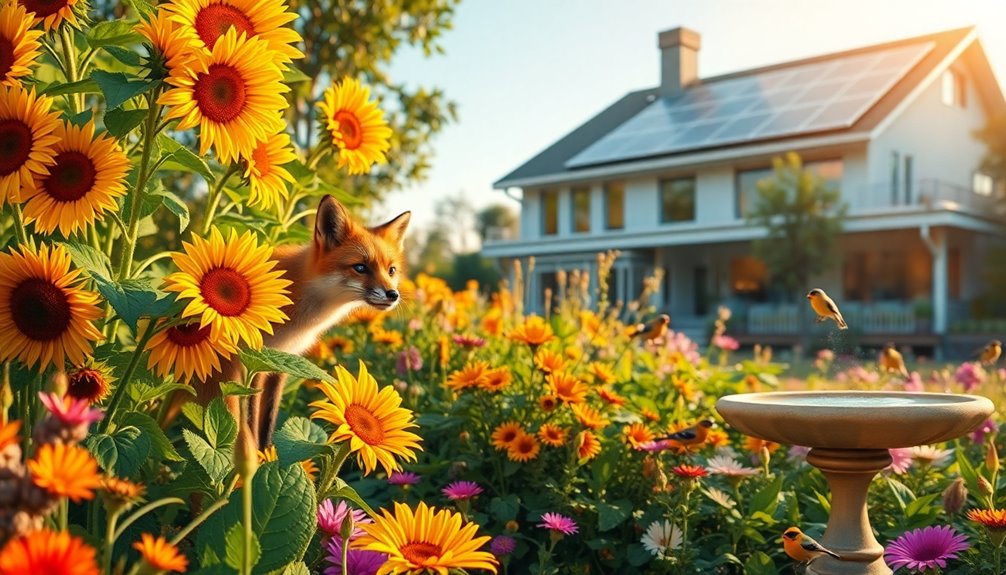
614	205
581	209
895	176
954	89
983	184
549	212
748	276
677	200
746	189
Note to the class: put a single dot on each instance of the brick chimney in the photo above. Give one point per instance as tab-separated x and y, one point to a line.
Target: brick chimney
679	60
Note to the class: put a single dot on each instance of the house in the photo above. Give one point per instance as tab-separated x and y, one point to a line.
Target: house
665	175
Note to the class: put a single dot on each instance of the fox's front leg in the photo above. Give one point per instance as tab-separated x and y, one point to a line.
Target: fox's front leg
264	406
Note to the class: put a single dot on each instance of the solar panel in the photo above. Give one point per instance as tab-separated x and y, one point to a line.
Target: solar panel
816	96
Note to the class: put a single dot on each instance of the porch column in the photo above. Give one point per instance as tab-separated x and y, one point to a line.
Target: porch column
936	241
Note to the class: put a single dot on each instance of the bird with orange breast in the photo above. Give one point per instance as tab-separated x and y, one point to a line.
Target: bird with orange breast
991	352
890	359
652	329
825	308
689	436
802	548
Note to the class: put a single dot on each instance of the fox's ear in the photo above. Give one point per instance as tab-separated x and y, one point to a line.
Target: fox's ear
394	230
331	227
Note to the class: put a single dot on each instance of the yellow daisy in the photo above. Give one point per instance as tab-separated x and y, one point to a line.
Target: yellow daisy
19	46
86	179
206	21
548	361
231	285
45	316
172	47
371	419
187	350
637	434
505	434
65	470
426	541
566	387
26	139
524	448
497	379
587	445
231	93
265	172
588	416
551	434
474	374
534	332
356	125
51	13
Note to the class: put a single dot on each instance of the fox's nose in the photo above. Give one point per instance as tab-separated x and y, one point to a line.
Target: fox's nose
391	294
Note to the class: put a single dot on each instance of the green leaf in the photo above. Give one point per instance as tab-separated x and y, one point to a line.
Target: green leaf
124	55
767	498
299	439
268	360
143	392
121	453
218	424
142	7
759	564
345	491
638	555
113	33
159	441
120	122
298	568
134	298
86	86
284	516
180	158
238	389
194	413
118	88
88	259
610	515
176	206
293	75
81	118
505	508
216	462
234	547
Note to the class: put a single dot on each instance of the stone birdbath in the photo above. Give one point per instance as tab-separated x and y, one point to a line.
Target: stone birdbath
849	433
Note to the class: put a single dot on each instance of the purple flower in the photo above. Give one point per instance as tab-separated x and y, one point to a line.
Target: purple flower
969	375
925	549
798	452
726	343
989	426
69	411
358	561
402	478
559	523
468	340
408	360
502	545
461	490
330	518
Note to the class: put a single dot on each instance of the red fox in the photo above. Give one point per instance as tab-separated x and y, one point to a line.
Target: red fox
345	266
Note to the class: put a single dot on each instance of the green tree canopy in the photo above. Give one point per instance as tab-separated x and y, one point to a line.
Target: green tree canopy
497	221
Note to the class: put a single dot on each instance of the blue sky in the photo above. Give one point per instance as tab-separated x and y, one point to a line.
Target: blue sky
526	72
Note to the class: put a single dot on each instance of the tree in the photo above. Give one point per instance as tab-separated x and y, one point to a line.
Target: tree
993	135
803	217
497	221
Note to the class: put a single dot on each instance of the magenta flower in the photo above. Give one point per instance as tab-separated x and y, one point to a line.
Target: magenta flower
330	518
925	549
403	478
69	411
502	545
461	490
470	341
652	446
408	360
358	561
726	343
969	375
901	460
559	523
988	427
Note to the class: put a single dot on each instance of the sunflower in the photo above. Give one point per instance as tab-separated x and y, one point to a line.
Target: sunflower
160	554
505	434
232	93
231	285
551	434
548	402
26	139
426	540
265	172
602	372
270	454
587	445
588	416
207	21
472	375
51	13
48	552
610	396
88	383
356	125
87	177
65	470
19	46
497	379
567	387
372	420
534	332
188	351
44	315
172	47
8	433
120	494
637	434
548	361
524	448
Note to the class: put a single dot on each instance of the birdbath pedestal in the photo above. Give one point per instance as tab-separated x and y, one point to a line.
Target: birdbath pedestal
849	433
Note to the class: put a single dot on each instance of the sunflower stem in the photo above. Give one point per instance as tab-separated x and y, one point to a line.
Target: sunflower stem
315	155
110	538
70	71
219	503
129	238
246	492
216	194
143	511
146	263
333	464
120	389
19	230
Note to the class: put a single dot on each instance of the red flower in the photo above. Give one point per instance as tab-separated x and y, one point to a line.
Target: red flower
690	471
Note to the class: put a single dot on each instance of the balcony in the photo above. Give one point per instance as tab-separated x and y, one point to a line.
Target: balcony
922	195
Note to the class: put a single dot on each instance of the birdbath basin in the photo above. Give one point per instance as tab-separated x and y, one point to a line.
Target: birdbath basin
849	433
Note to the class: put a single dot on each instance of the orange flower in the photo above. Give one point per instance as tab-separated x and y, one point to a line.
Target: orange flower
602	372
390	337
524	448
548	402
552	435
534	332
717	438
496	379
589	417
590	323
444	344
492	322
270	454
993	519
474	374
754	445
567	387
505	434
160	554
587	445
651	415
637	434
48	552
610	396
548	361
65	471
342	344
120	493
8	433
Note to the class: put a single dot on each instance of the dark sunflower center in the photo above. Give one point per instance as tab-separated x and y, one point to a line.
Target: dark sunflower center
525	446
215	20
349	127
419	551
226	291
15	145
43	8
188	335
509	435
220	93
6	56
364	424
39	309
71	178
86	384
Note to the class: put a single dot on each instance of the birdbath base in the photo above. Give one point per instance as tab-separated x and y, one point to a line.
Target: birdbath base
849	473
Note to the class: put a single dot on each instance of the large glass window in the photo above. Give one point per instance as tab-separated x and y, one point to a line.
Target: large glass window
581	209
954	89
549	212
614	205
983	184
677	200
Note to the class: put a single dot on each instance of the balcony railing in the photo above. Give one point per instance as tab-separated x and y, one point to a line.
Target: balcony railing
879	318
924	194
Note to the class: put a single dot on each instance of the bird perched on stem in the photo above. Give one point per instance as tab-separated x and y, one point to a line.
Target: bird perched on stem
991	352
802	547
652	329
890	360
825	308
694	435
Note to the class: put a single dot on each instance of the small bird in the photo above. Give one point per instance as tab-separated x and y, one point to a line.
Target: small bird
653	329
802	547
694	435
991	352
825	307
890	360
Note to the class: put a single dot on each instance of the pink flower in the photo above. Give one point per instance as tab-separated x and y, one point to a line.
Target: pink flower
925	549
558	523
970	375
826	355
468	341
677	342
726	343
70	412
461	490
798	452
901	460
655	445
988	427
914	382
331	517
408	360
403	478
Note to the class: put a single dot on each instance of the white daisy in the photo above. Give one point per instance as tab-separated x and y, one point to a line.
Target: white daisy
931	455
726	465
719	497
660	537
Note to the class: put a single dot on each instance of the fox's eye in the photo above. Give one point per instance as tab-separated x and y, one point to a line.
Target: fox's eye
360	268
391	271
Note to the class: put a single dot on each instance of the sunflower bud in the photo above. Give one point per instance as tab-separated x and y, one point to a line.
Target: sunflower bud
245	454
955	496
347	527
985	487
992	458
512	526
